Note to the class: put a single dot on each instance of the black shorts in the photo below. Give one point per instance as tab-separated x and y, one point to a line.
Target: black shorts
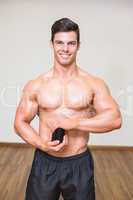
72	176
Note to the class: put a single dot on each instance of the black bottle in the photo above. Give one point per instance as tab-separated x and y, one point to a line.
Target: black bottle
58	134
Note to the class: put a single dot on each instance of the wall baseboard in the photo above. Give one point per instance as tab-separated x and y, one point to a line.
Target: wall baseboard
15	144
92	147
111	147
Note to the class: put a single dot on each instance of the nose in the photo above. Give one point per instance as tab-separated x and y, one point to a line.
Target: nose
65	47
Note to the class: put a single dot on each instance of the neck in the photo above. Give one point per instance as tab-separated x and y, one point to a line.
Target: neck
65	72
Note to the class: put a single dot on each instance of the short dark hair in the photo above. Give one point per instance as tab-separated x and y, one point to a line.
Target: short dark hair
65	25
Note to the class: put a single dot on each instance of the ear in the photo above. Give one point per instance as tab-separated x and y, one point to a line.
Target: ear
79	45
51	44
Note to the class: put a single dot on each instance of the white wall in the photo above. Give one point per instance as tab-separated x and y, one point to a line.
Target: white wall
106	50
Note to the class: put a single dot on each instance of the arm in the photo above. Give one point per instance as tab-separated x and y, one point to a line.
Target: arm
108	115
26	111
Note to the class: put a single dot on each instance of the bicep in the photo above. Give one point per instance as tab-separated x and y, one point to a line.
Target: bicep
27	108
102	98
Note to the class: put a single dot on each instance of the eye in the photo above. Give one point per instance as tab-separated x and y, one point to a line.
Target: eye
59	42
72	43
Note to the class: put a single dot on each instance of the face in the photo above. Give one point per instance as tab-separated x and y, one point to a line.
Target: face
65	47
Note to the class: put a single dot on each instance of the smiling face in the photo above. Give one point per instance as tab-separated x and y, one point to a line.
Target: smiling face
65	48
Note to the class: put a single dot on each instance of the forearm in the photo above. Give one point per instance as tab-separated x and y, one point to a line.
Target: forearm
101	123
29	134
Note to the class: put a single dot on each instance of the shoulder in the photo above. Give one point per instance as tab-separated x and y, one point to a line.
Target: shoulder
95	82
90	77
99	82
34	85
31	86
100	85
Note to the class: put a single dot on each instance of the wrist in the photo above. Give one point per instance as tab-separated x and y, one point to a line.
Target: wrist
78	120
40	144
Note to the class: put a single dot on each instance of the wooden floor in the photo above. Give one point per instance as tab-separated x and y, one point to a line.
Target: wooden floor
113	173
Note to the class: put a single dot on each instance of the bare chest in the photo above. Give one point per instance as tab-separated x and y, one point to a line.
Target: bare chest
75	94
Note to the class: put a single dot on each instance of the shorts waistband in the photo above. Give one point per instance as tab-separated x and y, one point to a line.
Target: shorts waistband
73	157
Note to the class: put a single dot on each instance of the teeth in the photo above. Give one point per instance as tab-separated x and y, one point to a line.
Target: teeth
64	56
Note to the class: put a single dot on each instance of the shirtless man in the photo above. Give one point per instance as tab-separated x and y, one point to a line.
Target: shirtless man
70	98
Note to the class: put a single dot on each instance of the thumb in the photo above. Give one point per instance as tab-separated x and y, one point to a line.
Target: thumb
53	143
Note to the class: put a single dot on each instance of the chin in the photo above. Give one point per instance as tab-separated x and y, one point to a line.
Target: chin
65	63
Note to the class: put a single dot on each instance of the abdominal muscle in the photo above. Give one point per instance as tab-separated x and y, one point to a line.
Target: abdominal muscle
77	140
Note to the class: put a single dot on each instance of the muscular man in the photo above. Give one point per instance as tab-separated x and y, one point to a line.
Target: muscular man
70	98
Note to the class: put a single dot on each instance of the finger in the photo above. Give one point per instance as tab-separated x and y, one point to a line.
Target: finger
53	143
65	139
60	146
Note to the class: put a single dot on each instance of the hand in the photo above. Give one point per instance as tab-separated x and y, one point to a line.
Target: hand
66	124
54	146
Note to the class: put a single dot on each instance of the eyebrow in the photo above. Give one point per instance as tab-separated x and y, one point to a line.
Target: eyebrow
71	41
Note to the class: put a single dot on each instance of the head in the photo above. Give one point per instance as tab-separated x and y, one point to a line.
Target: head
65	39
65	25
